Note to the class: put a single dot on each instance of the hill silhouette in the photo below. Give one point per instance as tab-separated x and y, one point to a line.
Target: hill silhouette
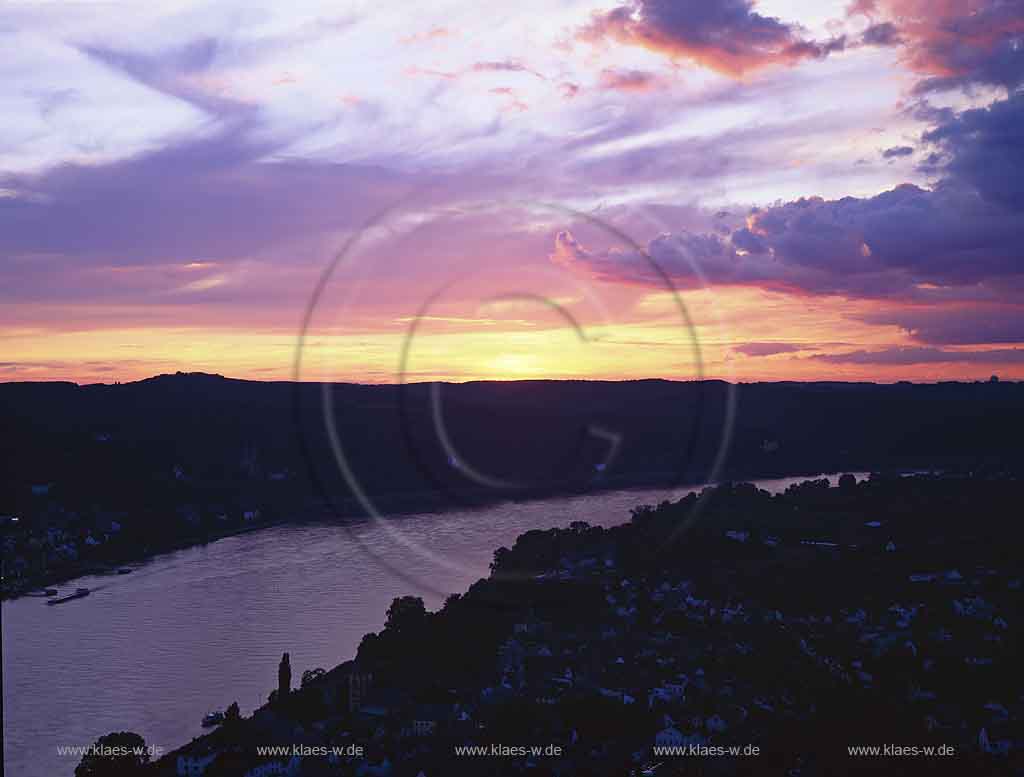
125	445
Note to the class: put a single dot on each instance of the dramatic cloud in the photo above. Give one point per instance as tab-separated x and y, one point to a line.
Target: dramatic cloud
876	247
162	171
986	149
725	35
909	356
954	44
951	254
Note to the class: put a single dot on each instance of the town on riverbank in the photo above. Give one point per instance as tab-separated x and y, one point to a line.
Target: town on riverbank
826	630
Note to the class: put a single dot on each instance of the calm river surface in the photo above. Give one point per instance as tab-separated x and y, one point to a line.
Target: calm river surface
196	629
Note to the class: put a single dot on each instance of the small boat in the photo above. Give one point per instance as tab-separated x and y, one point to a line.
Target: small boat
213	719
78	594
41	592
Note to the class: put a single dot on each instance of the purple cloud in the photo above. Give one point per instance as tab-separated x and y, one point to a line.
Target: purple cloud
209	199
882	34
954	45
959	242
924	355
885	246
942	325
769	349
897	151
986	149
724	35
629	80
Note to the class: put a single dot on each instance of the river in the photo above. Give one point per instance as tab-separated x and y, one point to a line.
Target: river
193	630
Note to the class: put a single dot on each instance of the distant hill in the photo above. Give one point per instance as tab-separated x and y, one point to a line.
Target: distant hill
120	445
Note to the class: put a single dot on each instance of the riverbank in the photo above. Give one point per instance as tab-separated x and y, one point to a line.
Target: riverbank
348	511
13	589
793	623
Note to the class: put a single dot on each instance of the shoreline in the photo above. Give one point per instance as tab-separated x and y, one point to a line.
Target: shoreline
396	506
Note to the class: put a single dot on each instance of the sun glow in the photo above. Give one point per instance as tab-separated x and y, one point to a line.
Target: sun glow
514	365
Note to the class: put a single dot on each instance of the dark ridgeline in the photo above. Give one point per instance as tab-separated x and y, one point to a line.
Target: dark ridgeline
140	444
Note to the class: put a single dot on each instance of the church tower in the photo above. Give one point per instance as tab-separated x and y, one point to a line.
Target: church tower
284	677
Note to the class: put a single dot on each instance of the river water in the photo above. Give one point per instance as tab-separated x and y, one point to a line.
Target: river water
196	629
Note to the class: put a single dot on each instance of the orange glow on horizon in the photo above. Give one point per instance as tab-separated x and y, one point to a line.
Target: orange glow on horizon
502	342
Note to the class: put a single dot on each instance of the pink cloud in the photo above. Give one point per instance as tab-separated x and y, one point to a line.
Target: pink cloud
953	43
435	33
629	80
727	36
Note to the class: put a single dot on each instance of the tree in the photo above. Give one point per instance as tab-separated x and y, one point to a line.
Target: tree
405	612
501	558
119	754
451	602
311	674
232	712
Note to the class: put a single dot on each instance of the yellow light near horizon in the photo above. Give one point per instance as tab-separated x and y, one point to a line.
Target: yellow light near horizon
513	365
650	340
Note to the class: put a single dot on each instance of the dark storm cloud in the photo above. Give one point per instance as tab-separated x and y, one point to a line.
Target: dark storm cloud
986	149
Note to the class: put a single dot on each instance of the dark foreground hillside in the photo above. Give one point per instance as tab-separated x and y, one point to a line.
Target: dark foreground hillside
867	628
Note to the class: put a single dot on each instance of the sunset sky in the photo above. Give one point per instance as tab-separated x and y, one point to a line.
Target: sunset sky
781	190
